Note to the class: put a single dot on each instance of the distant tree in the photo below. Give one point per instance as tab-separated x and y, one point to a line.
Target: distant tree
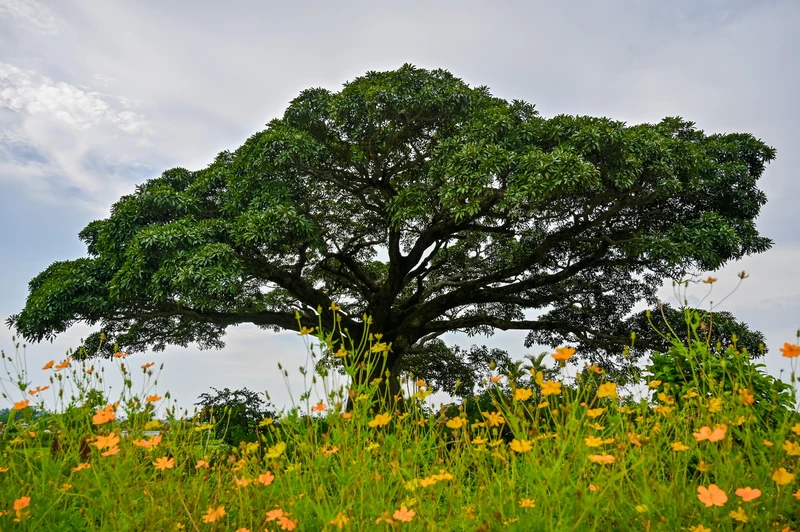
235	415
485	211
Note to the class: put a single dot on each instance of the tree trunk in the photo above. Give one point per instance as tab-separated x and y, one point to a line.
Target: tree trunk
386	397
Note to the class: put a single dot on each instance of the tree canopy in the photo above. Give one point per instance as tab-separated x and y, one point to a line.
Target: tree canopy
427	204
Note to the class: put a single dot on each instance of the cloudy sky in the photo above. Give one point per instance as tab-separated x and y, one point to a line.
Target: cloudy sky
97	96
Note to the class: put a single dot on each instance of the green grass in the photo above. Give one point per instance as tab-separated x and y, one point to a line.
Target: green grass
580	459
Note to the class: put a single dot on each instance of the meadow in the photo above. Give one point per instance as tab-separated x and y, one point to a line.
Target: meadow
713	444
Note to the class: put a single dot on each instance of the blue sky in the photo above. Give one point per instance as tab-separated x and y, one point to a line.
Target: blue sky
98	96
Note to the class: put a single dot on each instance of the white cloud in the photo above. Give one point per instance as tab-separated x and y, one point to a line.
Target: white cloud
24	90
30	13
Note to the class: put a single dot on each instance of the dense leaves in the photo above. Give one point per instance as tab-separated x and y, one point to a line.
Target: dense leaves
427	204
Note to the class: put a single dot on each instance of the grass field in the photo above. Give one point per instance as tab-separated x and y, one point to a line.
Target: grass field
713	450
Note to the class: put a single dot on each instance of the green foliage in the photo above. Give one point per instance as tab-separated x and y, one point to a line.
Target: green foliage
488	212
234	414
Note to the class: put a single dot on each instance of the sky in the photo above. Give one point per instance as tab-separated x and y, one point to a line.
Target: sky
97	97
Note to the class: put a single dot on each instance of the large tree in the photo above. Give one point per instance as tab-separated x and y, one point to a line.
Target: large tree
426	204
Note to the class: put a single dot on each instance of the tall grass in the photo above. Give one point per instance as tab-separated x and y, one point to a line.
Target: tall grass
537	453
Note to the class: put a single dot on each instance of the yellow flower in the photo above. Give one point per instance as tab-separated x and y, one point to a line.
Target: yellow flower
381	420
527	503
679	446
767	443
478	440
522	394
796	429
593	441
641	508
699	528
654	384
739	515
340	521
456	423
563	354
551	388
791	448
595	412
493	419
305	330
714	405
608	389
276	450
711	280
266	422
782	477
520	446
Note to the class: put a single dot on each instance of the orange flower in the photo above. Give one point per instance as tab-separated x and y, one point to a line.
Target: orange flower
748	494
711	496
104	416
120	354
212	515
706	433
63	365
266	478
563	354
153	398
592	487
496	379
527	503
711	280
602	458
81	466
21	405
790	350
102	442
608	389
49	364
112	451
404	514
21	503
286	523
164	463
148	365
782	477
148	444
796	495
202	463
3	469
273	515
38	389
319	407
